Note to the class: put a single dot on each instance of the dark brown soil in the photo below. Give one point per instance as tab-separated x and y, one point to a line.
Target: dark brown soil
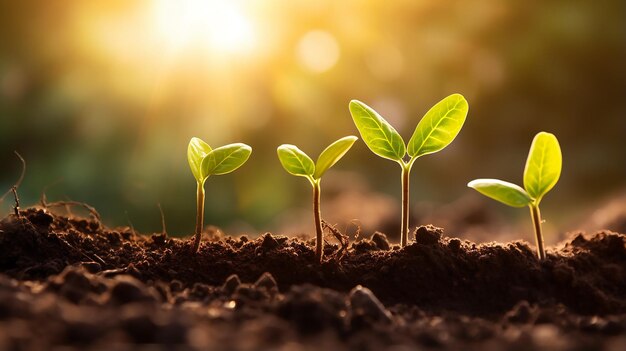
73	282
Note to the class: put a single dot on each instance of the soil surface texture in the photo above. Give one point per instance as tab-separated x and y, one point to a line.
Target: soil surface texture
74	284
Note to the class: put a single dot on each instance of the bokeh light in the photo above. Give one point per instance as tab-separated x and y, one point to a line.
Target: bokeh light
318	51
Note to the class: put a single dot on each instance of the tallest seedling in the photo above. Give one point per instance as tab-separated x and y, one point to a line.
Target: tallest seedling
437	129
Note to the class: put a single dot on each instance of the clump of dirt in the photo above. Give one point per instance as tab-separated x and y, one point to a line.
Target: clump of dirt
101	285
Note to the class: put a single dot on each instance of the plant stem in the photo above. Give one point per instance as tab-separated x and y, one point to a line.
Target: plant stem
319	241
404	233
536	215
199	216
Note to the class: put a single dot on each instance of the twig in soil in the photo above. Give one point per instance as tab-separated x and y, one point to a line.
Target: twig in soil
68	204
68	208
97	258
19	180
164	231
44	199
343	239
16	207
357	224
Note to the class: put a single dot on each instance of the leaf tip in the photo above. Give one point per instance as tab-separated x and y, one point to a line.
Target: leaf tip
545	134
283	147
356	104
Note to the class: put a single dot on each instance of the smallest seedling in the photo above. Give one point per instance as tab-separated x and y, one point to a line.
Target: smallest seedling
296	162
205	162
543	169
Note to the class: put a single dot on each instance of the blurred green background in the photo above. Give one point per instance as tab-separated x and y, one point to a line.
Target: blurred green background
102	97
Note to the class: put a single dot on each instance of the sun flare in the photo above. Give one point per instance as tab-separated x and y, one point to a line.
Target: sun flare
221	26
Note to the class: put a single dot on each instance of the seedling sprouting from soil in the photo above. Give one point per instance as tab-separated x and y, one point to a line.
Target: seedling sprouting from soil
296	162
437	129
542	171
205	162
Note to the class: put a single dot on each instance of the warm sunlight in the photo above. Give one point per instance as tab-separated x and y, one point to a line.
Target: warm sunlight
221	26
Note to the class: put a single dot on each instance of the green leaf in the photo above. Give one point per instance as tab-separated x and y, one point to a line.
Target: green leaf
505	192
377	133
439	126
295	161
226	159
333	153
543	166
196	151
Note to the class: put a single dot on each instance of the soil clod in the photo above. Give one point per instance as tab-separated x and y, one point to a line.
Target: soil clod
428	234
380	240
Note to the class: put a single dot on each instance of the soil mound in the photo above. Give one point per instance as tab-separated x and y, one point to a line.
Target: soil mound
74	284
435	273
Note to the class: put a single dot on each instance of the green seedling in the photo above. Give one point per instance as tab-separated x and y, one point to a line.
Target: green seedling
296	162
205	162
436	130
542	171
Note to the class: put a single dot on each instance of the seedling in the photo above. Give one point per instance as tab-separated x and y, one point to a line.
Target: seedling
296	162
542	171
436	130
205	162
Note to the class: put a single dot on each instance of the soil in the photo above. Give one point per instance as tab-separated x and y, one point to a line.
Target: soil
72	283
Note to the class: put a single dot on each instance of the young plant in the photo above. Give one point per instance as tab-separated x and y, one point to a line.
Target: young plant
436	130
542	171
205	162
296	162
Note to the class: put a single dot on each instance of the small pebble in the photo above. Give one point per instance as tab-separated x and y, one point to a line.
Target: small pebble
364	305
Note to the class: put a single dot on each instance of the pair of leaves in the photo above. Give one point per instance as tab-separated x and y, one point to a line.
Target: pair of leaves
296	162
436	130
205	161
542	172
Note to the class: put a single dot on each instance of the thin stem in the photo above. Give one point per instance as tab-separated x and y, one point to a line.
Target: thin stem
164	231
199	216
319	240
536	216
404	234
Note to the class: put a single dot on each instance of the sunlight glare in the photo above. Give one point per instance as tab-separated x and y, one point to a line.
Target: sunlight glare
219	25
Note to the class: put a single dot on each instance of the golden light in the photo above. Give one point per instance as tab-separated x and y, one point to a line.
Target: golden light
318	51
218	25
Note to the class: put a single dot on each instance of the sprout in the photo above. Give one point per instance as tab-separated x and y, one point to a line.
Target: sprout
437	129
205	162
542	171
296	162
